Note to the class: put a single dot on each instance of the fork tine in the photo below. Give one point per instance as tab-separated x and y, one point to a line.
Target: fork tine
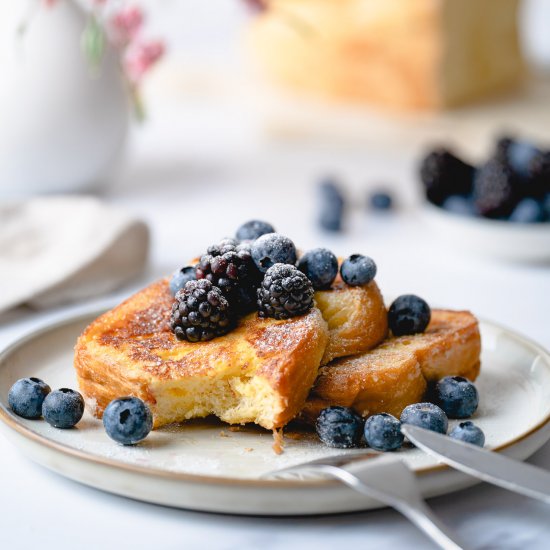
334	460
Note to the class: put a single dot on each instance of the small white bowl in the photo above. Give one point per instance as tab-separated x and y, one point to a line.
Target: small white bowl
520	242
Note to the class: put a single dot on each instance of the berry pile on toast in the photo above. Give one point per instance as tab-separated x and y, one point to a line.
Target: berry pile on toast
256	332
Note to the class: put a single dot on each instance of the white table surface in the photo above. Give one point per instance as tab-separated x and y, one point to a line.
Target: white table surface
190	200
197	171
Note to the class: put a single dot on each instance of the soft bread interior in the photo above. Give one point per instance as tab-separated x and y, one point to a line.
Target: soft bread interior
261	371
232	396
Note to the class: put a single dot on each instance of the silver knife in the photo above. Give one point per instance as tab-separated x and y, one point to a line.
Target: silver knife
486	465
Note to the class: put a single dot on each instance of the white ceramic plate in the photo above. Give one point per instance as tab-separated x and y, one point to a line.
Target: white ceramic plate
519	242
205	466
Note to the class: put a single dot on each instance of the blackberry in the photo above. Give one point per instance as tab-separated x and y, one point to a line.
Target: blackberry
526	161
495	189
229	266
503	146
546	206
444	174
285	292
200	312
225	245
539	172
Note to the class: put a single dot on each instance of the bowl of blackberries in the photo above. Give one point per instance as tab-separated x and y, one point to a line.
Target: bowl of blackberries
499	208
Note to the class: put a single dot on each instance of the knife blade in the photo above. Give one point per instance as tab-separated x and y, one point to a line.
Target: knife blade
486	465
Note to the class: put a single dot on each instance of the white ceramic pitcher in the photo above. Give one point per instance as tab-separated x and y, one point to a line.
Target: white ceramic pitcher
62	125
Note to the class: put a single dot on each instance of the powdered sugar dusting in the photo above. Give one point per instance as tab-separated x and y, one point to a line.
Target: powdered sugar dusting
289	334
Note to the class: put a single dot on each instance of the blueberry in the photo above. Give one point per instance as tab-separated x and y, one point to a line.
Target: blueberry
459	204
528	211
320	267
468	432
180	277
408	314
383	432
63	408
457	396
271	249
520	156
339	427
127	420
380	200
331	206
253	229
358	270
425	415
26	396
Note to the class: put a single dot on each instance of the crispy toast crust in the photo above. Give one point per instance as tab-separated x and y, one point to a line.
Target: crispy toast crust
356	316
131	350
395	374
262	371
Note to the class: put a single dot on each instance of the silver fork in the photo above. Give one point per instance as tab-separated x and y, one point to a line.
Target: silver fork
386	479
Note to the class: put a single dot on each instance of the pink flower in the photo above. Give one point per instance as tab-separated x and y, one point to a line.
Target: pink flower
50	3
140	57
125	25
257	5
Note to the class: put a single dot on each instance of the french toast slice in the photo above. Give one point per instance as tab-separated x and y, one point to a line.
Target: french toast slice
261	372
356	316
395	374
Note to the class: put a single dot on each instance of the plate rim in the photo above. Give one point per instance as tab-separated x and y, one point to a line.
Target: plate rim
11	421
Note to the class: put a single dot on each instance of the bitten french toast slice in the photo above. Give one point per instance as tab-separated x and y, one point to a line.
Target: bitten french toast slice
261	372
394	374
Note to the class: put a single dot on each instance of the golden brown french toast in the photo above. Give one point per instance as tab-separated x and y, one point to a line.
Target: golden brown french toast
261	372
394	374
356	317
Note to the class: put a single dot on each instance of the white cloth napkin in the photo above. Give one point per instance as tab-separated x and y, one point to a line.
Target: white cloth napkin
65	248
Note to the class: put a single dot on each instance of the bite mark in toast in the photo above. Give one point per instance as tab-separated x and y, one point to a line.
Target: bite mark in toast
261	372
